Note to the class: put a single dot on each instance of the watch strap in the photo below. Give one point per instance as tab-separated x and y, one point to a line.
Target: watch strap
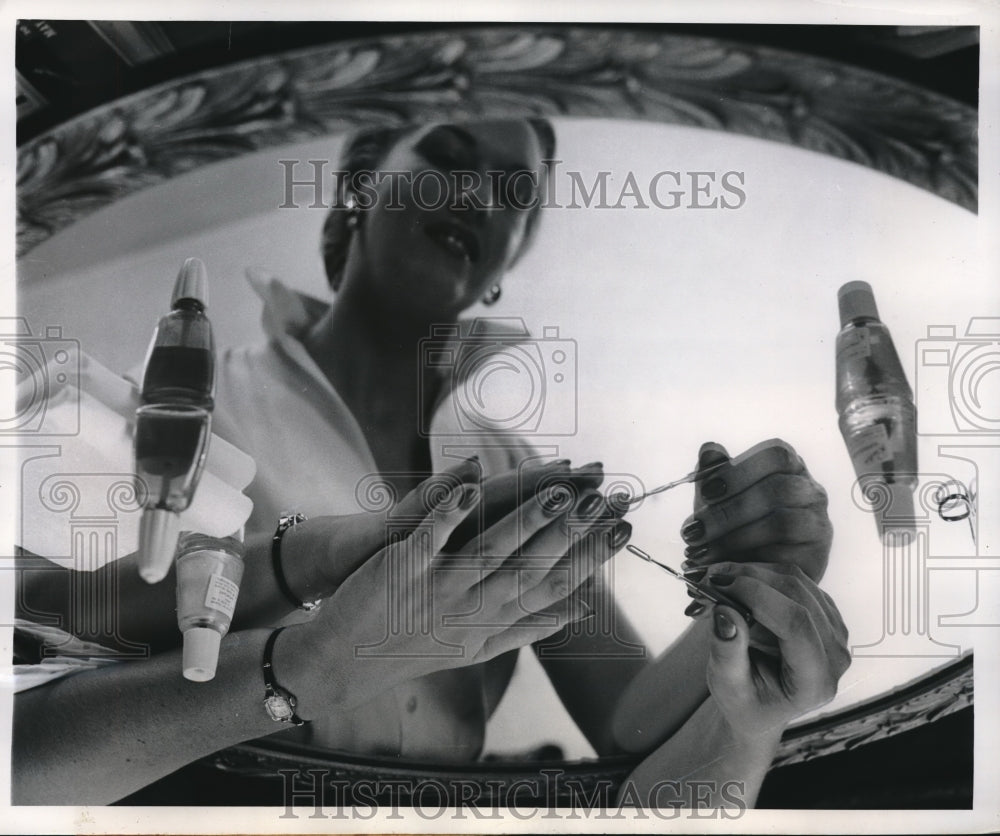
279	702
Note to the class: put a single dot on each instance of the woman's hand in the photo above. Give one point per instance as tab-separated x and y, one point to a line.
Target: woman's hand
321	553
762	506
413	609
759	693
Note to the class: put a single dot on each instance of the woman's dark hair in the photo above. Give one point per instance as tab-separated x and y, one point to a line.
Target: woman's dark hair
365	151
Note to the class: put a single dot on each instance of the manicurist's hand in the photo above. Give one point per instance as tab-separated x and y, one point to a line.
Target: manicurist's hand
762	506
759	693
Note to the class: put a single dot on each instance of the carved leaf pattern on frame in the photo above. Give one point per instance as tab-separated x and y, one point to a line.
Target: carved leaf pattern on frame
814	103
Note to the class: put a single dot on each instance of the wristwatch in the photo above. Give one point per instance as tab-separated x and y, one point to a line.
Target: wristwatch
285	522
279	703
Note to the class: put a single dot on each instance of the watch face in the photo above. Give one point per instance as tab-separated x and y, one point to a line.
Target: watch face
278	707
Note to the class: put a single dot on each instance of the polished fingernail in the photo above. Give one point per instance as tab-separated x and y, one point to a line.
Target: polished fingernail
590	467
694	530
620	535
713	488
694	609
470	497
589	505
557	463
694	574
695	552
620	502
556	500
725	628
722	579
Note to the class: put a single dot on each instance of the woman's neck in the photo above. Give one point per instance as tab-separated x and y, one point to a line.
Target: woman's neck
371	357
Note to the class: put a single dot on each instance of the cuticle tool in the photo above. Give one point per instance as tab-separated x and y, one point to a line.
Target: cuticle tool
703	589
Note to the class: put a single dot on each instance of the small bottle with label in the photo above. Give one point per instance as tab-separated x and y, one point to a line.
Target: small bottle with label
875	405
209	571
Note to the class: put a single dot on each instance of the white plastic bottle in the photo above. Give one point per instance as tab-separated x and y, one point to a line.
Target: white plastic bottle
209	572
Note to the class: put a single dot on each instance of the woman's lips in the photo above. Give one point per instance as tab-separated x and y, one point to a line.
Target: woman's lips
455	239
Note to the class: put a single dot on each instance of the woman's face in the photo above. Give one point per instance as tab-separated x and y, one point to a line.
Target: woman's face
447	213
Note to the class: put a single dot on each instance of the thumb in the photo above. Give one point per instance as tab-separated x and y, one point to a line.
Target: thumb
729	660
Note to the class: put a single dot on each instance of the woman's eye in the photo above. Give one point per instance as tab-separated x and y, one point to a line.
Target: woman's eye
521	191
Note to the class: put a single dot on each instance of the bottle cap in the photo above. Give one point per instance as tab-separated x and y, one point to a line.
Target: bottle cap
856	302
157	543
201	653
192	283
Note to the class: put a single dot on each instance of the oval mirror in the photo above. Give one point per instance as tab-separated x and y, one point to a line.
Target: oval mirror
709	199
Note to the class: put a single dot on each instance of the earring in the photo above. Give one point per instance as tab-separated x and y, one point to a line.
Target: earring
492	295
353	213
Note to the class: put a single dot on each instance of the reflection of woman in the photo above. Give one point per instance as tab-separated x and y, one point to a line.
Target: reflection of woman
341	393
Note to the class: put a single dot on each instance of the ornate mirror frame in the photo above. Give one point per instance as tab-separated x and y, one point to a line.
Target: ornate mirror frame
888	125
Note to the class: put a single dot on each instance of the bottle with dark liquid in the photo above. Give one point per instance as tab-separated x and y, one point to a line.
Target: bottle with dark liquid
875	405
173	425
180	365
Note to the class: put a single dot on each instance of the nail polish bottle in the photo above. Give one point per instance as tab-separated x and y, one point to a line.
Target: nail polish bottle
173	425
875	405
180	364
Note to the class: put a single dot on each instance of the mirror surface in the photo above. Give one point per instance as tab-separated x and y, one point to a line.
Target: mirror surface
686	325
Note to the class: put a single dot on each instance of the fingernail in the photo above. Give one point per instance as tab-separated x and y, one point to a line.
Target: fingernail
588	505
722	579
470	497
695	574
620	535
694	530
589	467
712	455
582	610
694	609
695	552
725	629
620	502
556	500
557	463
713	488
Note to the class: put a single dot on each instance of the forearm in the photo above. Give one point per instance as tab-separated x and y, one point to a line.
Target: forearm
664	694
706	764
97	736
142	614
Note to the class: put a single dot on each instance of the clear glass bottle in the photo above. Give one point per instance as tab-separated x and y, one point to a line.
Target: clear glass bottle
209	572
171	444
875	404
180	363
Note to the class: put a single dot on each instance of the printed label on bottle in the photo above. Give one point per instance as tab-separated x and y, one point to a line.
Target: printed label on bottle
221	595
854	345
870	446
